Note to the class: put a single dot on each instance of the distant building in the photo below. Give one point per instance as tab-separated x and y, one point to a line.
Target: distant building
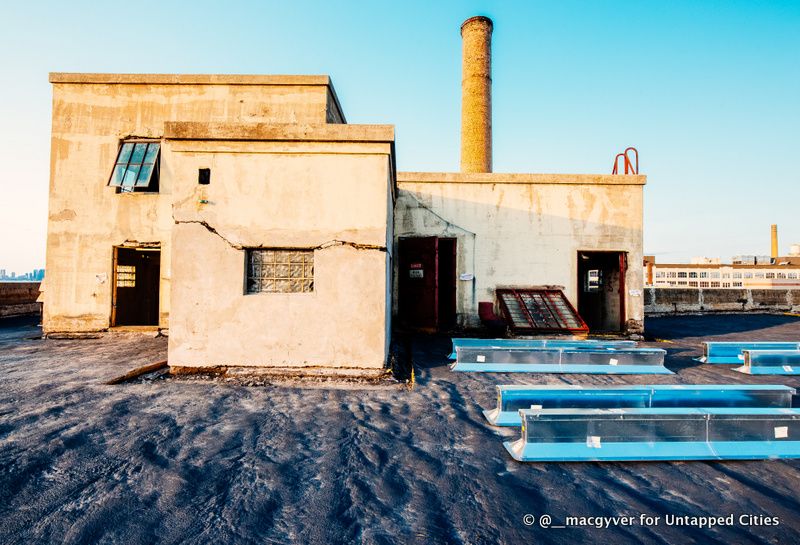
784	274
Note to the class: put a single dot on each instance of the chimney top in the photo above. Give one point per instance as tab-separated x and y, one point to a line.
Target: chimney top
480	18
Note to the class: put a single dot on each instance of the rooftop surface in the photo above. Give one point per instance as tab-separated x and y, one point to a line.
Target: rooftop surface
205	461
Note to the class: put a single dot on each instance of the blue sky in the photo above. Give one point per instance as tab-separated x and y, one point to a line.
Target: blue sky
709	92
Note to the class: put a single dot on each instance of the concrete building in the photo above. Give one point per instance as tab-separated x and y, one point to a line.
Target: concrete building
243	168
244	215
785	274
754	272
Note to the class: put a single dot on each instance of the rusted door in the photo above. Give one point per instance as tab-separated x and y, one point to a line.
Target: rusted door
418	283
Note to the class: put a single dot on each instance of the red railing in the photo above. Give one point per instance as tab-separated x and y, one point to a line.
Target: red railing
630	167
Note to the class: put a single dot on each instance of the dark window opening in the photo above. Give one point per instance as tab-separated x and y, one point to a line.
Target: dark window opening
137	167
204	176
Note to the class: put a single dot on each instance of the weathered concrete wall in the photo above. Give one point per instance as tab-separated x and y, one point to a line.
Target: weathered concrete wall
525	229
19	298
672	300
330	196
91	113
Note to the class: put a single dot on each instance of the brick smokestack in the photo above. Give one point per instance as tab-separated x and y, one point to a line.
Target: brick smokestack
476	95
774	237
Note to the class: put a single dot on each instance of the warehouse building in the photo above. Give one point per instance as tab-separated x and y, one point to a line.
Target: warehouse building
244	215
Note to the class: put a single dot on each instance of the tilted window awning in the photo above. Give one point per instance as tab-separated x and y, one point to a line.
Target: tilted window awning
136	162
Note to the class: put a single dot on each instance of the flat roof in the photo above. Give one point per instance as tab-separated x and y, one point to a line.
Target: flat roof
184	79
724	265
329	132
519	178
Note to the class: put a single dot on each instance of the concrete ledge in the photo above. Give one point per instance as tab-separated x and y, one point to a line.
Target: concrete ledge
188	79
503	178
22	309
285	372
330	132
660	301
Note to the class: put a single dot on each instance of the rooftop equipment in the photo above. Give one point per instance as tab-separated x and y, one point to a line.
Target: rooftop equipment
771	362
579	435
732	353
537	343
561	360
512	398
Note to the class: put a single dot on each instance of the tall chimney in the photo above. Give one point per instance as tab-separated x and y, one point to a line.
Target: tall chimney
774	233
476	95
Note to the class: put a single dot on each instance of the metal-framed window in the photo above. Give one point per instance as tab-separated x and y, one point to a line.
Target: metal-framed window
276	270
136	168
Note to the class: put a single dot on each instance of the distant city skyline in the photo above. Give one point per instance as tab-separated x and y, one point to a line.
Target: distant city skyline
35	275
706	90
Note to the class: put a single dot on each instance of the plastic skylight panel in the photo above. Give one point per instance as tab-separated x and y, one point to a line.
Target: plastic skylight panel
135	164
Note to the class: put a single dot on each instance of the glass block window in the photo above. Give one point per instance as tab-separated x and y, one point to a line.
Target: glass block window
273	270
136	167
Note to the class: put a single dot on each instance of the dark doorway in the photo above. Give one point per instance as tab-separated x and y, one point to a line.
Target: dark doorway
427	283
136	286
601	290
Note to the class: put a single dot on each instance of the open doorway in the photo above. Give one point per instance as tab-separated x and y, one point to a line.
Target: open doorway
426	295
601	290
136	286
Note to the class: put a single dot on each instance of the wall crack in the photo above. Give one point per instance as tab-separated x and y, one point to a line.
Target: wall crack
324	246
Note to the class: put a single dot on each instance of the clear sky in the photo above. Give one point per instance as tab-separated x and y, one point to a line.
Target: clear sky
708	91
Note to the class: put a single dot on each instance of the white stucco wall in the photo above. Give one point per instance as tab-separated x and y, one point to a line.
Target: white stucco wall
523	230
323	195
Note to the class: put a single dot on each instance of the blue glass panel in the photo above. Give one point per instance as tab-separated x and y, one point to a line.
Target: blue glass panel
125	152
152	153
138	153
130	175
117	176
144	176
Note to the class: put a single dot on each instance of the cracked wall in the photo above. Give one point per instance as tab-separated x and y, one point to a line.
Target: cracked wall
330	197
